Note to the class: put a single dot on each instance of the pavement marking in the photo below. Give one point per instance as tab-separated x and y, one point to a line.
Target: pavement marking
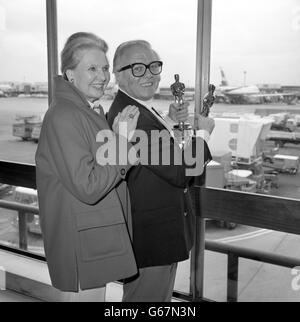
236	238
242	235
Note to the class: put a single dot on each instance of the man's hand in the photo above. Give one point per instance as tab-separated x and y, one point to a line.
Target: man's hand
179	113
205	123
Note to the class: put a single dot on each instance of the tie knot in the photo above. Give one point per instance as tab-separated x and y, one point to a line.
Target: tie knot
98	108
96	104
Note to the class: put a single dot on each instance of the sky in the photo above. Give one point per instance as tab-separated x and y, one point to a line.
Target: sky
253	41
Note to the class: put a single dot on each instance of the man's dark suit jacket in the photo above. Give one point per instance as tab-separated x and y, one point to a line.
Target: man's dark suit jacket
162	215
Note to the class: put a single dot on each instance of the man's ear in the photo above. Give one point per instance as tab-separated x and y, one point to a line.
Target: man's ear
70	75
117	77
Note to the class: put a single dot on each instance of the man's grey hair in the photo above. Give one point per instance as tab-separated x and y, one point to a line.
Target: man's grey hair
126	46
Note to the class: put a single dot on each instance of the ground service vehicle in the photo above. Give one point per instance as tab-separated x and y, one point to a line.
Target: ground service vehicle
29	197
25	126
283	163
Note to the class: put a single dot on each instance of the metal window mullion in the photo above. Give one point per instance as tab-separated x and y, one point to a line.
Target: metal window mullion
201	87
51	13
203	52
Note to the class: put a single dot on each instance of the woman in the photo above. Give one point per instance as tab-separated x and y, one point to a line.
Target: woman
85	235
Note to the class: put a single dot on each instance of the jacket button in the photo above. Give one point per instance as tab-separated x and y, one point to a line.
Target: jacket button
185	190
185	214
123	172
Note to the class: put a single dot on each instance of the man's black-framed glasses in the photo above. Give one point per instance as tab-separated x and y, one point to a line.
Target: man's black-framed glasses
139	69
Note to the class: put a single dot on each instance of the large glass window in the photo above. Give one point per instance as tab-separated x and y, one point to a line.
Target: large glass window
254	65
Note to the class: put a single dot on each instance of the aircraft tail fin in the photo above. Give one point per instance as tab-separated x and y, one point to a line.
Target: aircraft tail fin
224	80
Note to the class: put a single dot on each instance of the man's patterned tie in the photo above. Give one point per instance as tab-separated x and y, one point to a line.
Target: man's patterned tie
98	108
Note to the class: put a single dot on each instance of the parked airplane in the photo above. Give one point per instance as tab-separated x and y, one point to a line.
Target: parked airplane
5	89
249	94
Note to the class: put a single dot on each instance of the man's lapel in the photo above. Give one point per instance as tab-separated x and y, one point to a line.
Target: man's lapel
127	100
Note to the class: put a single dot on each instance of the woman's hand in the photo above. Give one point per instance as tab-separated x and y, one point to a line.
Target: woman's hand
126	121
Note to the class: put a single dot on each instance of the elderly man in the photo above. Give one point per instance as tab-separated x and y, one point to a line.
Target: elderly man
162	217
